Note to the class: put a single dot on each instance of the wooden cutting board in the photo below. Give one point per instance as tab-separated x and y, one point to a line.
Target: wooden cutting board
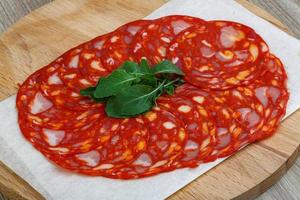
49	31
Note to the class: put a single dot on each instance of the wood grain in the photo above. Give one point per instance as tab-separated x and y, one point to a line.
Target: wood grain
12	186
33	53
13	10
287	11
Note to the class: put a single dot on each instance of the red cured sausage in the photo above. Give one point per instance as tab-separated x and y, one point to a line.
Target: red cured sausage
61	95
246	116
125	140
57	118
229	136
166	136
199	128
90	60
218	54
64	141
35	108
85	64
271	91
116	48
152	41
69	71
250	111
102	134
235	94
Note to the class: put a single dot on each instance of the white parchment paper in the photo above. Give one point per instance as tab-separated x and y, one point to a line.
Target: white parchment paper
55	183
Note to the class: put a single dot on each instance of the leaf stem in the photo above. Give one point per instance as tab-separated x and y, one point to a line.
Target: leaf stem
177	79
158	87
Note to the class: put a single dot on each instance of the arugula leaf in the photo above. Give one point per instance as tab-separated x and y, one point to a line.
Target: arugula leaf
142	71
166	67
179	82
131	67
170	89
99	100
88	91
145	68
111	85
134	68
133	88
149	79
132	101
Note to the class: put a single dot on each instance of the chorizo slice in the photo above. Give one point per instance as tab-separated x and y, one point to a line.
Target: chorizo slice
69	71
116	48
62	141
61	95
271	91
91	65
250	111
218	54
119	148
152	41
229	136
146	155
34	107
199	127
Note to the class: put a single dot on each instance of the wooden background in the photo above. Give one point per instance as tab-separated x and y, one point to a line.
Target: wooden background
288	11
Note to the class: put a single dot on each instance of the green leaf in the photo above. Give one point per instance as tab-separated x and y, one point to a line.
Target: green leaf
142	71
132	101
179	82
114	83
88	91
133	88
149	79
145	68
134	68
170	89
166	67
99	100
131	67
